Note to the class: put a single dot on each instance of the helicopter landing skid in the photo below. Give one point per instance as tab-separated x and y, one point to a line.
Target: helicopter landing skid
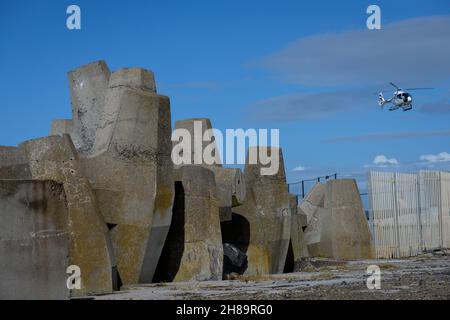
407	108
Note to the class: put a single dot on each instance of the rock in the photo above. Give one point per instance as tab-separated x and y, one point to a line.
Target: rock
235	261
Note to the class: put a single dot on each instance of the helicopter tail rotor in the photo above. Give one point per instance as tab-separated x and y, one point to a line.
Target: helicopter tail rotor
381	100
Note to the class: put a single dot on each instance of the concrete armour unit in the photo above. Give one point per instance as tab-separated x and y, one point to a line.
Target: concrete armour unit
193	249
340	230
313	200
131	172
299	247
88	85
61	126
13	163
230	182
231	189
55	158
198	128
34	240
267	211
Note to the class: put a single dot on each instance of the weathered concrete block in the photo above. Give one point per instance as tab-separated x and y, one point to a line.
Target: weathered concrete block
299	247
88	85
202	140
230	182
13	163
34	240
340	229
267	210
55	158
61	126
132	174
193	249
133	78
313	200
231	189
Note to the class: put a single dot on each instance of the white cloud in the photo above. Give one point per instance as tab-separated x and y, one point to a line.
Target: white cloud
434	158
366	57
307	106
299	168
381	161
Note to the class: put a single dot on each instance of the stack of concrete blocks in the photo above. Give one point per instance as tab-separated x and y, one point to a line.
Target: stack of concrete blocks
337	226
267	210
115	183
204	197
102	193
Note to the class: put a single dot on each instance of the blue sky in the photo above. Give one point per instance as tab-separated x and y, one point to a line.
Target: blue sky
308	68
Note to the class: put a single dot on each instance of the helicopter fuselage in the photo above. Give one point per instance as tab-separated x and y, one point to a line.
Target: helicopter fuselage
400	99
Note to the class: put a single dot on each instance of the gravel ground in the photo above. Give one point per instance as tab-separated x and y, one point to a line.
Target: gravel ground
423	277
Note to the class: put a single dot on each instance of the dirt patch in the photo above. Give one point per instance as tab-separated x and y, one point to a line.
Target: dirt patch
425	277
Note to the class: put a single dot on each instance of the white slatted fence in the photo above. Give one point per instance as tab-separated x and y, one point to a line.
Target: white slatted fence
409	213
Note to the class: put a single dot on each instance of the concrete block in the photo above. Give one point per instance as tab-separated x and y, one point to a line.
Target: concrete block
131	172
55	158
230	182
267	210
313	200
197	128
133	78
340	229
61	126
231	189
299	246
13	163
88	86
34	240
193	249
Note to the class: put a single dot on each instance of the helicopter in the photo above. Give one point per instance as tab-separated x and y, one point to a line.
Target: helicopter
400	99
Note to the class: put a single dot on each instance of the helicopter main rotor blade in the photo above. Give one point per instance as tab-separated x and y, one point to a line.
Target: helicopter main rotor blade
394	85
409	89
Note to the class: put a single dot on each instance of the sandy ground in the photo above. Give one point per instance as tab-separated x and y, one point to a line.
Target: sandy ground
423	277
